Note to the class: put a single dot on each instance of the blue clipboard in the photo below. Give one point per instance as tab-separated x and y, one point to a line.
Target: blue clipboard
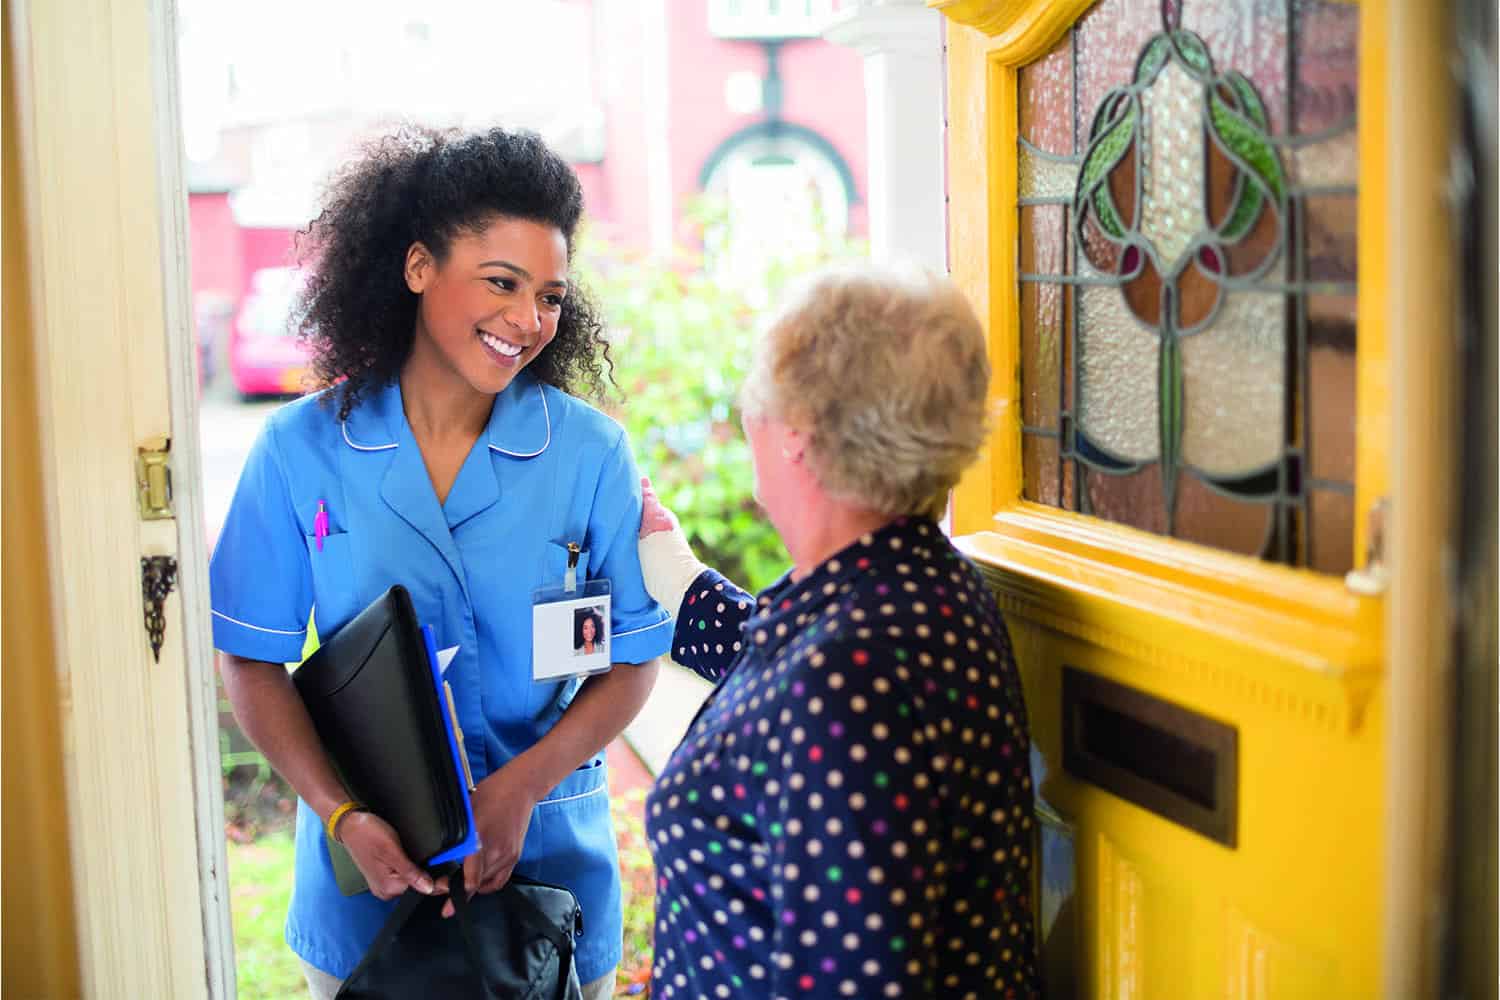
470	843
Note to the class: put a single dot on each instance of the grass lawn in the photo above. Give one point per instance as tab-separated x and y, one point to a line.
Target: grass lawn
260	880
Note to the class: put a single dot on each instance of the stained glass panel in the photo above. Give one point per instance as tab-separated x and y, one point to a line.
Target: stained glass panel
1046	103
1039	175
1332	532
1234	388
1208	199
1117	372
1043	251
1214	519
1131	498
1171	165
1325	58
1332	252
1330	367
1041	349
1040	461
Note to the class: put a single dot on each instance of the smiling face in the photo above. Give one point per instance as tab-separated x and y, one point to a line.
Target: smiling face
587	628
492	304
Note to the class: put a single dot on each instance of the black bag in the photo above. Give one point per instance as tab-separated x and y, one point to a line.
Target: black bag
514	944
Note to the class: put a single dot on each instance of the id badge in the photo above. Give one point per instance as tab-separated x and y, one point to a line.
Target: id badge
570	629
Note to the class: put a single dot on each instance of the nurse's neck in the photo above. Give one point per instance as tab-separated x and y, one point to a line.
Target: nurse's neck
441	406
446	415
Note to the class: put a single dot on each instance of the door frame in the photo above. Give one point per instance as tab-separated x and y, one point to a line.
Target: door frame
102	185
108	260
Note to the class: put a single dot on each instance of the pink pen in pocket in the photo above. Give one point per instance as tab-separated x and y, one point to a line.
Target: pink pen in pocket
320	524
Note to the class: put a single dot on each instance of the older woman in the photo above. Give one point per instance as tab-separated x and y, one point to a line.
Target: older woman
849	815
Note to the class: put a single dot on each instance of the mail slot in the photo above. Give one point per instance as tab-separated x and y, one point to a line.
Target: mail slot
1180	765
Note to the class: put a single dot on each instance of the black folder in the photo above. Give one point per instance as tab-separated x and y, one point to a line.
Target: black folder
373	693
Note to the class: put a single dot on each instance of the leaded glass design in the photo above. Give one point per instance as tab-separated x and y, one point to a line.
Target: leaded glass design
1187	180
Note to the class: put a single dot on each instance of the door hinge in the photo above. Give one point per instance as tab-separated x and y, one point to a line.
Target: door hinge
153	478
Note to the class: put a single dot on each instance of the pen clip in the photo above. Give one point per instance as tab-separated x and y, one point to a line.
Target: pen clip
320	524
570	581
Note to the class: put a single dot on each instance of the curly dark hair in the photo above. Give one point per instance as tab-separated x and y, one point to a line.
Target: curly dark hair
417	184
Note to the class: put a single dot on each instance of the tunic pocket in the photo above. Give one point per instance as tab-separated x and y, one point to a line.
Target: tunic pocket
554	568
335	595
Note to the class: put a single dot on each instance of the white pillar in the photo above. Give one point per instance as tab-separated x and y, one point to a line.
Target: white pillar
901	41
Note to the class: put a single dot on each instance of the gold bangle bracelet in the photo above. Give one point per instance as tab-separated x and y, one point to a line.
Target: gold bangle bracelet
333	819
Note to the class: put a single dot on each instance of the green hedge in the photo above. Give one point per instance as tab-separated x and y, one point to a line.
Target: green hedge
681	341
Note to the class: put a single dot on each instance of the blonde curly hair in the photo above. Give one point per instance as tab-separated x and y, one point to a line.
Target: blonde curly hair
886	371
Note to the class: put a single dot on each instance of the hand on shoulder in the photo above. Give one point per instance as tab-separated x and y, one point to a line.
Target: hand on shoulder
667	561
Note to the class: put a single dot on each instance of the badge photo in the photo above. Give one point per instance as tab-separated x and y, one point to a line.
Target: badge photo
570	631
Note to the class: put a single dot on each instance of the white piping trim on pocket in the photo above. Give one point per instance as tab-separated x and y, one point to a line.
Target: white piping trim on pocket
570	798
547	417
257	628
643	628
344	426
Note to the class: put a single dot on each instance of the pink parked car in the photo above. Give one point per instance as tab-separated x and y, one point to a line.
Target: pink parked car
265	356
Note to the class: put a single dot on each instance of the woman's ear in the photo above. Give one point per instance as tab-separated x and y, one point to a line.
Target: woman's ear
420	266
793	444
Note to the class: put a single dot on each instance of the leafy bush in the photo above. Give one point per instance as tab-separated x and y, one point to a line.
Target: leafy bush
682	340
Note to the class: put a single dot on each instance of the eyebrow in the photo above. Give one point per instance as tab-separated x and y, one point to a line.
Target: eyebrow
518	269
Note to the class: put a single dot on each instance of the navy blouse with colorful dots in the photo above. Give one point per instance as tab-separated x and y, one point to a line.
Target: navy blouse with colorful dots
849	814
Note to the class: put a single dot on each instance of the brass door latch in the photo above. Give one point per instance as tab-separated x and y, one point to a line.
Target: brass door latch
153	478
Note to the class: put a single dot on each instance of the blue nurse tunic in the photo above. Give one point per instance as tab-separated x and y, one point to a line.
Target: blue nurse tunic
548	471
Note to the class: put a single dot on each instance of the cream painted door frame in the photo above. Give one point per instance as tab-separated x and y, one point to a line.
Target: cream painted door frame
104	200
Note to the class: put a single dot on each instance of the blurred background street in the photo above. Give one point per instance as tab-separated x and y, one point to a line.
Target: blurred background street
722	150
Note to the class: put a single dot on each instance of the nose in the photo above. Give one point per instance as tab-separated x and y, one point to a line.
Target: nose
524	318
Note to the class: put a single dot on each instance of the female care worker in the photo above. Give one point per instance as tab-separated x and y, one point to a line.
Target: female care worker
445	454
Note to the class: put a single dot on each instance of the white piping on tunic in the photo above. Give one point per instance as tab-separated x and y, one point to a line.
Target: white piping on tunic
344	426
257	628
644	628
547	417
569	798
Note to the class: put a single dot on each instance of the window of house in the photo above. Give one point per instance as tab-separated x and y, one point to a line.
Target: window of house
1187	257
768	19
784	200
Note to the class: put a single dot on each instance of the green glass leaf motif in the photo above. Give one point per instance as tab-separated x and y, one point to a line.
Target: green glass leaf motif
1247	140
1249	100
1247	206
1159	50
1104	153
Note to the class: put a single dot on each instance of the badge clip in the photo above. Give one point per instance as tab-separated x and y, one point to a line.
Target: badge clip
570	580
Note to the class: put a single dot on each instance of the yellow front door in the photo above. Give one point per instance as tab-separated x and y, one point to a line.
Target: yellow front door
1171	217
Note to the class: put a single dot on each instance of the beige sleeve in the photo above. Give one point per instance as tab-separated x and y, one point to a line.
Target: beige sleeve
669	566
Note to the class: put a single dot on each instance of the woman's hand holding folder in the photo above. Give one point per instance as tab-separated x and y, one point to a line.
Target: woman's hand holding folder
271	713
502	813
377	851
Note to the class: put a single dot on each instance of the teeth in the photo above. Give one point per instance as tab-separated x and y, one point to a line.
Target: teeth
501	346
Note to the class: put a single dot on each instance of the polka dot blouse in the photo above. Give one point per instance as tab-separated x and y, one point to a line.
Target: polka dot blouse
849	815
